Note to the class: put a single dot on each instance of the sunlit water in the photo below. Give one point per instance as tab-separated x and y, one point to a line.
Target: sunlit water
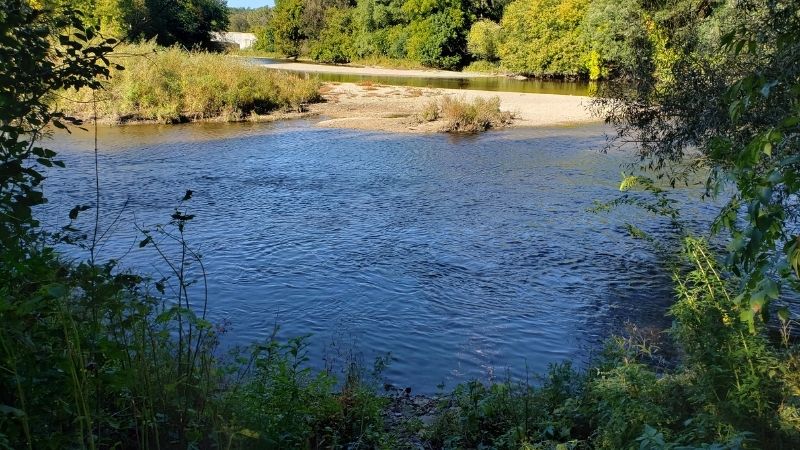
461	256
498	83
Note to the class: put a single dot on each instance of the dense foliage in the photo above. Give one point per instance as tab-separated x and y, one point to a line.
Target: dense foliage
189	23
248	20
575	38
726	101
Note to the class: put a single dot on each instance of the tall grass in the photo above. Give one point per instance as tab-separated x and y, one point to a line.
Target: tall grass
174	85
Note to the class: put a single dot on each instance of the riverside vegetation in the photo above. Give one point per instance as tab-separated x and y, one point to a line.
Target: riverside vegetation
461	115
95	357
594	39
174	85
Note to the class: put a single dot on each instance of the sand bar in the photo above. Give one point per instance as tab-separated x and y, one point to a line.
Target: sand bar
396	108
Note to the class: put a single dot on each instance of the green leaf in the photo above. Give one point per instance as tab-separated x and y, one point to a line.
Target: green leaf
748	316
783	314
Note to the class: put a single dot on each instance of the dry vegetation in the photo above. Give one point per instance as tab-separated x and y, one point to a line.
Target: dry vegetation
461	115
173	85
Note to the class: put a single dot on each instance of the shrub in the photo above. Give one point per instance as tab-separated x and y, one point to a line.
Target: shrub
480	114
265	39
397	39
284	404
483	40
482	67
430	111
511	415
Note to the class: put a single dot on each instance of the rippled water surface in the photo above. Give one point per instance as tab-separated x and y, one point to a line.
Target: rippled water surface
459	255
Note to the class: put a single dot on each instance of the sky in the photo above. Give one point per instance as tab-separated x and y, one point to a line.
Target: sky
250	3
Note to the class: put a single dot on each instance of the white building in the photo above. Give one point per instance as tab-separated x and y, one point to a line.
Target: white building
231	38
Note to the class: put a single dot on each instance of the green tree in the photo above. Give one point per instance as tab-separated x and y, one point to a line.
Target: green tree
543	37
483	40
437	32
377	26
333	44
287	26
616	36
726	102
184	22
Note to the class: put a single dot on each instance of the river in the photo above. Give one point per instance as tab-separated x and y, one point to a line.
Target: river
483	83
460	255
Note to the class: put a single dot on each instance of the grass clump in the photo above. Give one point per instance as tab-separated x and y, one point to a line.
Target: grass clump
464	116
285	404
174	85
430	112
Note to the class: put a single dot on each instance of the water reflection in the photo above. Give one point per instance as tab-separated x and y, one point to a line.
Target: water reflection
498	84
459	255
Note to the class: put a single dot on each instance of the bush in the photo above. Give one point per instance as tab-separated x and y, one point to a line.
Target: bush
483	40
284	404
173	85
469	117
430	112
483	67
265	39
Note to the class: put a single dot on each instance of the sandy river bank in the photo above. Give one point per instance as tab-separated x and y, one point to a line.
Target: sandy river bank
396	108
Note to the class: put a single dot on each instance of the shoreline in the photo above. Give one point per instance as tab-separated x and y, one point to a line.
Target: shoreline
311	68
396	109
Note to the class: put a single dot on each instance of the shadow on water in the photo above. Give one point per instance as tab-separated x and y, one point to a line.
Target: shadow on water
460	255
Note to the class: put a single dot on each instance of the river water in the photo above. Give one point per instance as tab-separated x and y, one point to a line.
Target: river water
496	83
460	255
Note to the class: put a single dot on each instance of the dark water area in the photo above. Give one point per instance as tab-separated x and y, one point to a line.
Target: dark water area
497	84
460	255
